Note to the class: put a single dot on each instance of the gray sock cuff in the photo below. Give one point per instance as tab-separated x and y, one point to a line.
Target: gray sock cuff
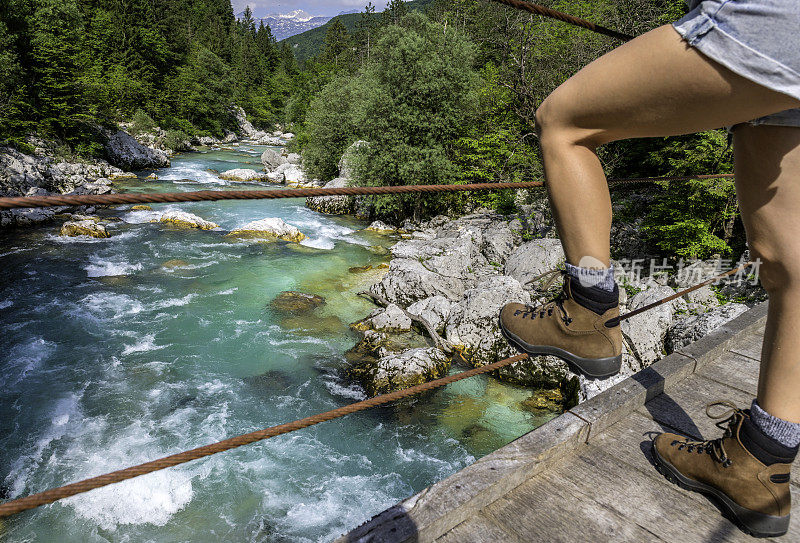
784	432
603	279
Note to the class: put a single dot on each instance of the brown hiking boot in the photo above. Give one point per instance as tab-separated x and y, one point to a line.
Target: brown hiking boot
580	326
752	487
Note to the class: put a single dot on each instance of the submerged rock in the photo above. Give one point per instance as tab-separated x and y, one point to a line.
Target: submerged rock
174	264
84	228
186	220
396	371
269	229
291	301
141	208
242	174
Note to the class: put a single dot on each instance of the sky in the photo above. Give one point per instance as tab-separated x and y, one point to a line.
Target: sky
262	8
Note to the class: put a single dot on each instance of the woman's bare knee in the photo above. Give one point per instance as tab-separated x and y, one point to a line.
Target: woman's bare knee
777	272
555	125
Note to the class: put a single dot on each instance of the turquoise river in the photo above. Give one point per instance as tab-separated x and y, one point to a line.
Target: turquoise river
114	352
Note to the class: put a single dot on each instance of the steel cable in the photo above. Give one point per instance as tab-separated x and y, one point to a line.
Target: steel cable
19	202
536	9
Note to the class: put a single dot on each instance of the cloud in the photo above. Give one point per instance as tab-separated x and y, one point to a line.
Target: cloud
262	8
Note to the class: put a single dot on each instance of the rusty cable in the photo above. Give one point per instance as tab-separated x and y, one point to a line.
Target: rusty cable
536	9
18	202
79	487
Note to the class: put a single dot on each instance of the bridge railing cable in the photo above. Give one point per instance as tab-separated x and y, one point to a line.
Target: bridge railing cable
18	202
537	9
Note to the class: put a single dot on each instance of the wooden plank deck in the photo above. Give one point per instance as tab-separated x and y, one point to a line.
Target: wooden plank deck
608	489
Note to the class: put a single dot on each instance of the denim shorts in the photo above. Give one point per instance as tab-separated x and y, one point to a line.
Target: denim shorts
757	39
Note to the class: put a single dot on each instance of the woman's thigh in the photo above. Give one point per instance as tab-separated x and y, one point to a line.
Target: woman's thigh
655	85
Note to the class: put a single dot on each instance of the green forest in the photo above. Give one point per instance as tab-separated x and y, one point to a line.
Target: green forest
68	66
443	94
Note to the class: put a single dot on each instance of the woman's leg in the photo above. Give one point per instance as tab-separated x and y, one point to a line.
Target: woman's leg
768	188
655	85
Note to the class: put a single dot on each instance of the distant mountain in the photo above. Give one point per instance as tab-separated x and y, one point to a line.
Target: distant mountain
308	43
285	25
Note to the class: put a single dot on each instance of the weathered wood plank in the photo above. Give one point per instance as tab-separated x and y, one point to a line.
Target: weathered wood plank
734	370
748	344
549	508
479	529
623	398
684	408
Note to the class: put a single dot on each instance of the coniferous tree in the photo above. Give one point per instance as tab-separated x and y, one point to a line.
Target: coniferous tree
337	41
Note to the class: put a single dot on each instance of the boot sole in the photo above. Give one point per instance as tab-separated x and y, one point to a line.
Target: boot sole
595	368
752	522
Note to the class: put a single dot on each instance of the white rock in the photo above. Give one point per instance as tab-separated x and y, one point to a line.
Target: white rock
294	174
645	332
335	205
408	281
269	228
243	174
272	159
186	220
84	228
245	127
381	227
473	322
498	242
275	177
396	371
534	258
346	163
697	326
294	158
436	310
391	319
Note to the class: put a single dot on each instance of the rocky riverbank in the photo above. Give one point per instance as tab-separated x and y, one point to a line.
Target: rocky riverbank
448	279
44	169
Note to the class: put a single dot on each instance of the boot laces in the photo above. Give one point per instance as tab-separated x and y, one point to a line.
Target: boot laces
546	309
731	417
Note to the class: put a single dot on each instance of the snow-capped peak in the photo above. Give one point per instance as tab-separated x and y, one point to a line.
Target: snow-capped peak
298	15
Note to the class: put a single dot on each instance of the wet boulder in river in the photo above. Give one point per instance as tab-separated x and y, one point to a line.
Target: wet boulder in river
84	228
186	220
242	174
268	229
